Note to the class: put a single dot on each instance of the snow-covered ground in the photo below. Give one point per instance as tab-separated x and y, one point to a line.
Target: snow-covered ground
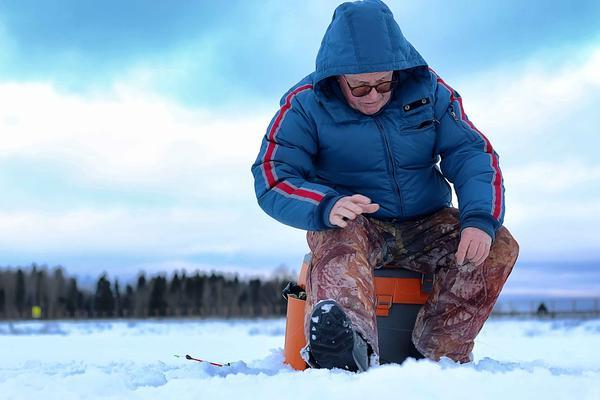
514	359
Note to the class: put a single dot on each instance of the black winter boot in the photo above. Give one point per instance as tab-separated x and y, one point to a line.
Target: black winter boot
333	343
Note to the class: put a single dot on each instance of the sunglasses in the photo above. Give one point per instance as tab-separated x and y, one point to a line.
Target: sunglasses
363	90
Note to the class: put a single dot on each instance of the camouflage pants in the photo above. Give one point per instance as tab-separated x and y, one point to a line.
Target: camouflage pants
461	300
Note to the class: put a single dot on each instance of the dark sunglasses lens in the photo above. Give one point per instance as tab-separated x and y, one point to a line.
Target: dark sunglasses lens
361	91
384	87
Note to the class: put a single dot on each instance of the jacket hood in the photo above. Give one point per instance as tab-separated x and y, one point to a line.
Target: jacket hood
364	37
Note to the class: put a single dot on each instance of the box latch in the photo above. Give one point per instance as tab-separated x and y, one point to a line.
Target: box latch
384	303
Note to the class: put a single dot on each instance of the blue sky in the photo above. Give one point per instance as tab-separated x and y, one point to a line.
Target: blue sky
128	128
197	47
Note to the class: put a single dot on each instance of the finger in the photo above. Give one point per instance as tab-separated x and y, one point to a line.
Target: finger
486	253
472	250
344	212
462	251
355	208
370	208
337	220
479	257
359	198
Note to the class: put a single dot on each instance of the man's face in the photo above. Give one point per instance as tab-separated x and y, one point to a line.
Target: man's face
372	102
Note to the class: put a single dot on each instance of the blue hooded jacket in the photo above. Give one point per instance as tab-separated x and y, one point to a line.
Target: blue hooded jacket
318	149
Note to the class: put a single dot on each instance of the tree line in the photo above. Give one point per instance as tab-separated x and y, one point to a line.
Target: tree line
40	292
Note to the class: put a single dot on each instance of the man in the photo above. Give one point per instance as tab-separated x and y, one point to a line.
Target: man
352	157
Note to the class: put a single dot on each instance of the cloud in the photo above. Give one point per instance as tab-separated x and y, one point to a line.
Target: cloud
129	146
124	241
538	102
540	115
81	175
540	118
215	53
546	178
175	232
197	53
131	136
135	136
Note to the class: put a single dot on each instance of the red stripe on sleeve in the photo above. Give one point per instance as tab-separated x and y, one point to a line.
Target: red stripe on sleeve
293	190
267	165
497	181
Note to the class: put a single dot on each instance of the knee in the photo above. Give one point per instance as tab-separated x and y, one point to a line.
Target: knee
357	224
507	244
355	229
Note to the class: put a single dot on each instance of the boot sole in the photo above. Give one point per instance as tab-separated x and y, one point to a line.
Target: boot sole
332	338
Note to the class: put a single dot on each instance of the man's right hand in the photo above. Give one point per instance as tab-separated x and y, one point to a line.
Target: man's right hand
350	207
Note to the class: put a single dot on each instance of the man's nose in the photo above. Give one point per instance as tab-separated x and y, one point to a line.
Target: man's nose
373	94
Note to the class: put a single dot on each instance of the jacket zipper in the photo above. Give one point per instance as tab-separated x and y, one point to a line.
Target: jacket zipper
469	132
391	161
452	113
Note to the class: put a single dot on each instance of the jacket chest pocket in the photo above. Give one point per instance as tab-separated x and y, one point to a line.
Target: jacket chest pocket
415	137
417	117
426	125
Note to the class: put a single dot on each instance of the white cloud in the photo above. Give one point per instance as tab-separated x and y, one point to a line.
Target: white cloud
536	99
547	178
133	138
176	232
540	117
553	209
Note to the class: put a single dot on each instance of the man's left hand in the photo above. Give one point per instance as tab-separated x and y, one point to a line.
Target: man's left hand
474	246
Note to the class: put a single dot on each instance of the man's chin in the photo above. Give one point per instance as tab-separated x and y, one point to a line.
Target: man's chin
370	110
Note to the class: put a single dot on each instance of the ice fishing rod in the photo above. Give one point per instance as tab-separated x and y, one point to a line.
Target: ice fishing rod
188	357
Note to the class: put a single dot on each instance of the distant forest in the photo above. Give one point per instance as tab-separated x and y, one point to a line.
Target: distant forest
40	292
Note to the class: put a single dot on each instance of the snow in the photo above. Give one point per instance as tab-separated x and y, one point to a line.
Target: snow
513	359
326	308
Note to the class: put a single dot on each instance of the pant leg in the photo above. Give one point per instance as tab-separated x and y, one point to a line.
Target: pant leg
462	298
341	268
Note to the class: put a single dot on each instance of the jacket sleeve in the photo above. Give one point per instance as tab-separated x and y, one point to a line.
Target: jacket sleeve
469	162
285	165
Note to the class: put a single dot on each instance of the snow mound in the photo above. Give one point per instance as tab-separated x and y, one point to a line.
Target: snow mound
135	360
